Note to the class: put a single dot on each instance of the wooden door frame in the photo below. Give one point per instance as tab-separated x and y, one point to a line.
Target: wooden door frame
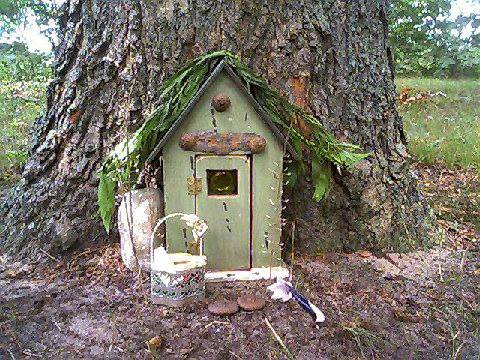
249	156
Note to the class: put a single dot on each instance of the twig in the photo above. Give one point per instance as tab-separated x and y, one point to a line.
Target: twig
285	349
292	259
11	354
455	355
440	272
56	324
462	262
29	353
46	253
217	322
235	355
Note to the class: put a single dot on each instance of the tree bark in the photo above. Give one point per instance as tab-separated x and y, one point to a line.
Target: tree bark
330	57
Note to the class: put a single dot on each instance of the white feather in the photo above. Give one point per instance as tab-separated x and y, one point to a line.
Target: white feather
280	290
320	317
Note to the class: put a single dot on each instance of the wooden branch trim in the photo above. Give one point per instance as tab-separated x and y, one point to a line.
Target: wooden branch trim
211	142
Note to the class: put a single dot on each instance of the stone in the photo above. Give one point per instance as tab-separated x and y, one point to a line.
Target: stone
364	254
250	302
223	307
154	345
146	207
156	342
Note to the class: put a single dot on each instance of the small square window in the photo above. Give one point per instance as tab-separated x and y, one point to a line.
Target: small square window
222	182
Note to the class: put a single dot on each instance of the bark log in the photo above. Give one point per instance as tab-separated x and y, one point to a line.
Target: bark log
330	57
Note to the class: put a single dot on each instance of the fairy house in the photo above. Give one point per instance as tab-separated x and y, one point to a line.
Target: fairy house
222	160
216	138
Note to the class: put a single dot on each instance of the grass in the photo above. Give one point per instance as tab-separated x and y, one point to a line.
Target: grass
365	340
456	321
20	104
440	129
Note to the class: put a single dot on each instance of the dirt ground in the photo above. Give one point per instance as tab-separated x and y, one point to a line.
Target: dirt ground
420	305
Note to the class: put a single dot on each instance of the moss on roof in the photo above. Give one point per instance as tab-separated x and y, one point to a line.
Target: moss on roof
125	162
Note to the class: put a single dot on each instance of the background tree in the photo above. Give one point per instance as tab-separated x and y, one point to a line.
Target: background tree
17	63
23	77
428	42
332	58
15	13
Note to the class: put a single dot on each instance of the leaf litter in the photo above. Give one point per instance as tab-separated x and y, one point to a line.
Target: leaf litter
422	304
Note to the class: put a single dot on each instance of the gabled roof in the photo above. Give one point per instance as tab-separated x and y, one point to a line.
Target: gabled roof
223	66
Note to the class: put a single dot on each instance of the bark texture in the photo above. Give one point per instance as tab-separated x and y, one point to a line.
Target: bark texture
330	57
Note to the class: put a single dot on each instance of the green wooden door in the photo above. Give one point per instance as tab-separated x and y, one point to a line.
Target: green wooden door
224	203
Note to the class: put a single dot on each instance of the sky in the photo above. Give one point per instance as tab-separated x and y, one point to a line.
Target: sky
31	34
465	7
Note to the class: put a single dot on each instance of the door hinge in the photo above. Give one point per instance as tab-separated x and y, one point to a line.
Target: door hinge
194	185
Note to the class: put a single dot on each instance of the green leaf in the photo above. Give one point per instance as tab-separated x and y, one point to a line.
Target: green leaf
106	199
321	177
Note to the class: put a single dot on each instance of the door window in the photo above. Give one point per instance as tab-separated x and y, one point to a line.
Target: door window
222	182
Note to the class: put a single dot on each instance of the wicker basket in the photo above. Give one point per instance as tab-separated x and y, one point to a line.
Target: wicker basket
180	284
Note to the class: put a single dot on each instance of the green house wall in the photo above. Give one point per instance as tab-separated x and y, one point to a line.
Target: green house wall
267	166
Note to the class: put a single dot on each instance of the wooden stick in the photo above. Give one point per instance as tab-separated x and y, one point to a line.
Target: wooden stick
130	213
285	349
46	253
29	353
235	355
292	259
217	322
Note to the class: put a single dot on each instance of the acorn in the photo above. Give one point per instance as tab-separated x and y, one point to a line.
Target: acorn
221	102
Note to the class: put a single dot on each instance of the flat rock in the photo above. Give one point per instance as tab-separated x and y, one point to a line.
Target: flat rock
250	302
223	307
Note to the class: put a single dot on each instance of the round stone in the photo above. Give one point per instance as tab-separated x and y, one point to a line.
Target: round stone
221	102
223	307
251	302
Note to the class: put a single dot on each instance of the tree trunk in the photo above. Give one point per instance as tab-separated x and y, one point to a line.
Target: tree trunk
330	57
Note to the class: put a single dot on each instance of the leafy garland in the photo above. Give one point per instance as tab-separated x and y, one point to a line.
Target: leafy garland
125	162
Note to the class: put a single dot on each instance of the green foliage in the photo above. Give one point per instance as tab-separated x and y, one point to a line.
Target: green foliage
23	77
427	42
106	199
127	159
321	174
19	64
444	129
